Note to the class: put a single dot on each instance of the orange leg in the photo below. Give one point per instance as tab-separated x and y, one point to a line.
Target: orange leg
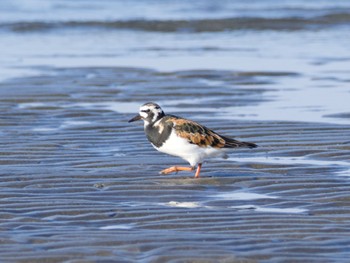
176	169
198	170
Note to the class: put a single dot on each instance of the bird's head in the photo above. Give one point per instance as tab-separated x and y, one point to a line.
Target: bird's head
150	113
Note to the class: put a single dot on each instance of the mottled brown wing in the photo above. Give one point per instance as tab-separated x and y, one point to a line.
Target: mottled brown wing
196	133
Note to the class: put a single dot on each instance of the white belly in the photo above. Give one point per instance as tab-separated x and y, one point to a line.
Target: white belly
192	153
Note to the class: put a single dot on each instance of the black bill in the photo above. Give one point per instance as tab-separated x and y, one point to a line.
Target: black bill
136	118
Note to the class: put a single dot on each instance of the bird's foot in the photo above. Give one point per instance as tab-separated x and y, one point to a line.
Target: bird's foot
176	169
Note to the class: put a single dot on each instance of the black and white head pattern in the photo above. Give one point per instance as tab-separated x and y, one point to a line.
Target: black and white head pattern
150	113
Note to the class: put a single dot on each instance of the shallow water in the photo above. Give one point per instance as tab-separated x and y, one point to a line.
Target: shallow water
79	183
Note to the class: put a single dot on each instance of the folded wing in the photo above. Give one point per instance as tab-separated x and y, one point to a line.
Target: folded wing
204	137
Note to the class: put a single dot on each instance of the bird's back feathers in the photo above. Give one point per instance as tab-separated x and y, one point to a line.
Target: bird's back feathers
202	136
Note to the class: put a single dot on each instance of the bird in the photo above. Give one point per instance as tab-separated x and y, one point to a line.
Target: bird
184	138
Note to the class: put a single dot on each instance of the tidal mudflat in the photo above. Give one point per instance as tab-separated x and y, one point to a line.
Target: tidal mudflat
79	183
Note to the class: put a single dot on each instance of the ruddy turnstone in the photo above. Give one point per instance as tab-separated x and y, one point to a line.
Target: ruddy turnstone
184	138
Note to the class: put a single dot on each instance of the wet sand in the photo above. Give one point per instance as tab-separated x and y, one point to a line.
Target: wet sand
79	183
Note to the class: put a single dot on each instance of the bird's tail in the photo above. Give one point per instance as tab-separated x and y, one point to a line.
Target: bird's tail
249	144
231	143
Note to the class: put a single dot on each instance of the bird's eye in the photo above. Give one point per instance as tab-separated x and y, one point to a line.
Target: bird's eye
148	110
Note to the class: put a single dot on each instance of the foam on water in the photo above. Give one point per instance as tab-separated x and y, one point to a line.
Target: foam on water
28	105
240	195
44	129
264	209
184	204
118	227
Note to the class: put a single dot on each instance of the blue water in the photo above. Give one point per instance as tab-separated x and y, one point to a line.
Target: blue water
309	39
104	10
